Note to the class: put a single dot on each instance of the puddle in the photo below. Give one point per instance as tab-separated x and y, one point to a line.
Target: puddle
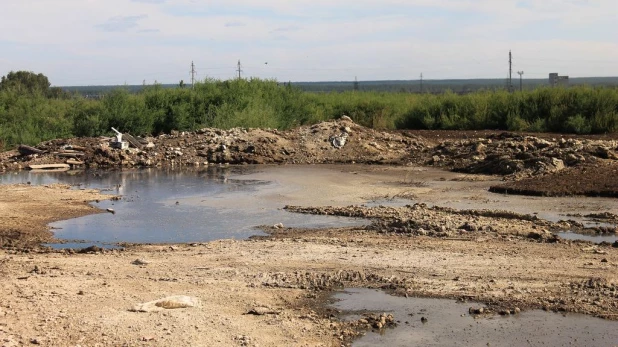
160	206
591	238
449	324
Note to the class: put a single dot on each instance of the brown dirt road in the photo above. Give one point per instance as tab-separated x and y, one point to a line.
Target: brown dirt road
70	299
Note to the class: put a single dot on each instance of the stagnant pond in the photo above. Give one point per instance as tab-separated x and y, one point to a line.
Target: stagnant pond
218	202
449	324
159	206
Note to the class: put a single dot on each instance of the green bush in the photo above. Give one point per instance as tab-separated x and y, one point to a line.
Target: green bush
32	116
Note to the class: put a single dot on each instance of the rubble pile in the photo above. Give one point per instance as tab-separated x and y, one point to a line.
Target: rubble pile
419	219
339	141
516	156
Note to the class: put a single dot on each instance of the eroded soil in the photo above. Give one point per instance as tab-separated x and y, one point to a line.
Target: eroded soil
270	291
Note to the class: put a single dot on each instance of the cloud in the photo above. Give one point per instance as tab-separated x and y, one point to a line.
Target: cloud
121	23
235	24
285	29
148	31
156	2
374	39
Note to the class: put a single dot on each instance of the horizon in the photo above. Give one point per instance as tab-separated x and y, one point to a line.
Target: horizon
117	42
501	80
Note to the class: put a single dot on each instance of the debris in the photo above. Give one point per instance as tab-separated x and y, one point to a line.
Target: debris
168	303
119	143
339	141
132	141
110	210
278	226
27	150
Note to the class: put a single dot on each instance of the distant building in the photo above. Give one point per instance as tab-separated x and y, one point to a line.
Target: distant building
556	80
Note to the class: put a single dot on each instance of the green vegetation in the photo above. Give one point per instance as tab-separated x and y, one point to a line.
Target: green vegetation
31	112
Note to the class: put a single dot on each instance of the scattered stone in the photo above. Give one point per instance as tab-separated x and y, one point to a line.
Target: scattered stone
168	303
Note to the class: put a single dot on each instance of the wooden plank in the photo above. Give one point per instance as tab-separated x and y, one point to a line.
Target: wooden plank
49	166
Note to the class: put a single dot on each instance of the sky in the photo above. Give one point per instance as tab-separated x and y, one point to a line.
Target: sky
112	42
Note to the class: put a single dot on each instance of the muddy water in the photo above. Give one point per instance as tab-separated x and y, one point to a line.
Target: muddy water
172	207
449	324
228	202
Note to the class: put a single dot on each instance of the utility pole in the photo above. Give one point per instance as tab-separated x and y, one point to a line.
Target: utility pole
521	73
239	69
355	83
192	75
510	72
421	82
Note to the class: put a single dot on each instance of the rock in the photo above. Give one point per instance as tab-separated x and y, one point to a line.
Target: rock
346	118
168	303
91	249
278	226
262	310
110	210
424	320
140	262
557	163
476	310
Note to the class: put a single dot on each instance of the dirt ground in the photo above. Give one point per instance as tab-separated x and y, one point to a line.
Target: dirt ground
270	291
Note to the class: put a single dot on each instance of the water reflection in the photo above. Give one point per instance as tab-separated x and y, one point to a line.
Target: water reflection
169	206
449	324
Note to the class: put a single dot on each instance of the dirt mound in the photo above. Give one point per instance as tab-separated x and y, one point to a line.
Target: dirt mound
589	180
339	141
